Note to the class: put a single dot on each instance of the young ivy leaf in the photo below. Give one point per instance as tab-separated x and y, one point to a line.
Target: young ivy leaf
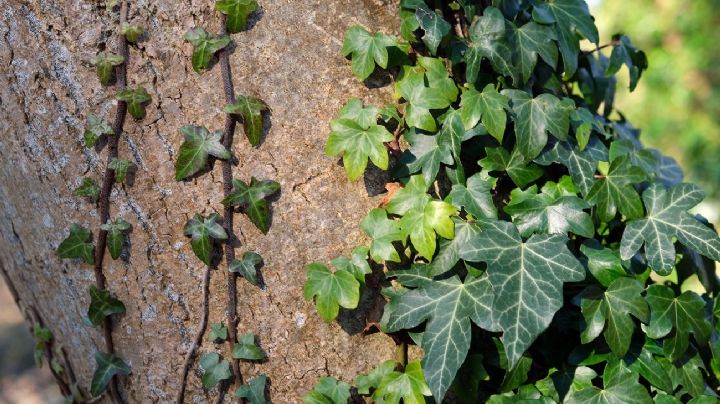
105	64
204	47
331	290
328	390
667	217
581	163
218	332
247	349
357	264
108	365
488	39
214	369
121	168
254	391
237	12
102	305
426	153
96	128
533	40
116	235
252	200
366	50
603	263
372	380
136	100
625	53
199	144
250	109
88	188
475	197
357	143
383	232
440	92
615	191
410	386
408	22
434	25
78	245
247	267
131	32
488	106
201	230
520	171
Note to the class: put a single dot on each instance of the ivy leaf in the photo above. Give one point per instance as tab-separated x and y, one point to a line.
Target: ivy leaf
366	50
214	369
570	17
250	109
201	229
527	278
95	128
488	39
254	391
199	143
687	372
408	22
667	217
488	106
135	100
434	25
247	349
615	192
107	366
603	263
372	380
102	305
439	93
610	310
252	200
421	225
78	245
237	12
449	250
410	386
328	391
247	267
204	47
131	32
116	235
475	197
383	232
218	332
640	360
685	313
447	305
105	64
121	168
535	117
581	164
357	264
331	290
515	165
425	154
621	389
556	210
532	40
625	53
363	115
357	144
88	188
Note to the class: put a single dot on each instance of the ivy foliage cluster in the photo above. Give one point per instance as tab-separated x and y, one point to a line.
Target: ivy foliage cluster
532	247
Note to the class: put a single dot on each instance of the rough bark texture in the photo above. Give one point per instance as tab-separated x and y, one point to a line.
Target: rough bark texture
290	58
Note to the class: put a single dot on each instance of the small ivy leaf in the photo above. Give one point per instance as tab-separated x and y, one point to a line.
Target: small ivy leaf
412	196
43	336
201	230
135	100
520	171
367	50
449	250
580	163
685	313
102	305
372	380
488	106
667	217
383	232
408	24
531	40
363	115
247	349
331	290
199	144
558	384
214	369
641	361
105	64
252	200
488	39
516	375
434	25
237	12
247	267
638	156
121	168
475	197
603	263
410	386
357	264
108	365
78	245
625	53
88	188
328	391
218	332
96	128
356	144
116	230
254	391
425	154
615	191
687	372
204	47
583	122
610	311
131	32
439	93
623	388
250	109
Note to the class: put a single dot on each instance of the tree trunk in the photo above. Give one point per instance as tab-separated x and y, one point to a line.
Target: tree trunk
289	57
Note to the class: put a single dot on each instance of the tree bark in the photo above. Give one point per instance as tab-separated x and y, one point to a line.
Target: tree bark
289	57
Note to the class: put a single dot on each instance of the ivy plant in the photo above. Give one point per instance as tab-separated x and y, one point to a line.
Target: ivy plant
252	200
204	47
105	64
533	247
136	100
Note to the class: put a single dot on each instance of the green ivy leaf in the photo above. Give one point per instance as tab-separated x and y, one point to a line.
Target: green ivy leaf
408	22
488	39
383	232
367	50
440	92
533	40
254	391
218	332
88	188
328	391
687	372
199	144
641	361
250	109
121	168
527	278
449	250
102	305
252	200
363	115
434	25
135	100
515	165
247	267
357	264
204	47
488	106
625	53
105	64
615	192
214	369
475	197
237	12
356	144
425	154
410	386
603	263
116	235
108	365
331	290
581	163
78	245
620	389
131	32
95	128
372	380
247	349
201	229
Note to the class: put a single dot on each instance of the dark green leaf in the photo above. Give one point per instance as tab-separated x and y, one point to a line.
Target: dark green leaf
237	12
532	40
621	389
254	391
625	53
331	290
78	245
366	50
580	163
201	229
89	188
199	144
116	235
488	39
250	109
603	263
136	100
214	369
687	372
102	305
247	349
108	365
434	25
641	361
615	191
105	64
487	106
252	200
247	267
95	128
515	165
476	196
204	47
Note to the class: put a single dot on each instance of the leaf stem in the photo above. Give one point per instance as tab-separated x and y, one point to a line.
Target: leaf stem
401	354
598	48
